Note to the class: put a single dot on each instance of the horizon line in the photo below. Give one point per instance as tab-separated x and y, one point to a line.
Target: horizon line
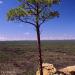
42	40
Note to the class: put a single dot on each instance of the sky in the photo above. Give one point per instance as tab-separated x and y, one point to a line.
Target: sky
62	28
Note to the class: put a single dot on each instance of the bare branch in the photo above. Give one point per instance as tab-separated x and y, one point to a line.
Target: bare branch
42	22
26	2
42	9
27	22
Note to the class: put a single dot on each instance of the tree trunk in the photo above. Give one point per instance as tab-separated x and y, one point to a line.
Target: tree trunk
38	38
39	49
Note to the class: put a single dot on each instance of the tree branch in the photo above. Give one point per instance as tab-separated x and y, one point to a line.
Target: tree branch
26	2
42	22
30	7
42	8
27	22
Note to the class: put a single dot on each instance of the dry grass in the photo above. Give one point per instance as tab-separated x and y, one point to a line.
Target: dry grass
23	57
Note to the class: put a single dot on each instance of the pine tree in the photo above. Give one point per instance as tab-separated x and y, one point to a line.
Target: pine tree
34	12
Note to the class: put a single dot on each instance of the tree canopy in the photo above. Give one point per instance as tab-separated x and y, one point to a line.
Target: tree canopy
27	10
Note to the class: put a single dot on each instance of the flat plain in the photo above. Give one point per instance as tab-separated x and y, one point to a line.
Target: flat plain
21	57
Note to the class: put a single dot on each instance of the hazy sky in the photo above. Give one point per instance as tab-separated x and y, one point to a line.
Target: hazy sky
58	28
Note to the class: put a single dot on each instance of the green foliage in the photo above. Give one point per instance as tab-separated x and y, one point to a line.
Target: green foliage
31	1
42	1
16	13
27	11
19	0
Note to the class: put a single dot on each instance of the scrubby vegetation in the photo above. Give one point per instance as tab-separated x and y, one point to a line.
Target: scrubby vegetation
21	57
